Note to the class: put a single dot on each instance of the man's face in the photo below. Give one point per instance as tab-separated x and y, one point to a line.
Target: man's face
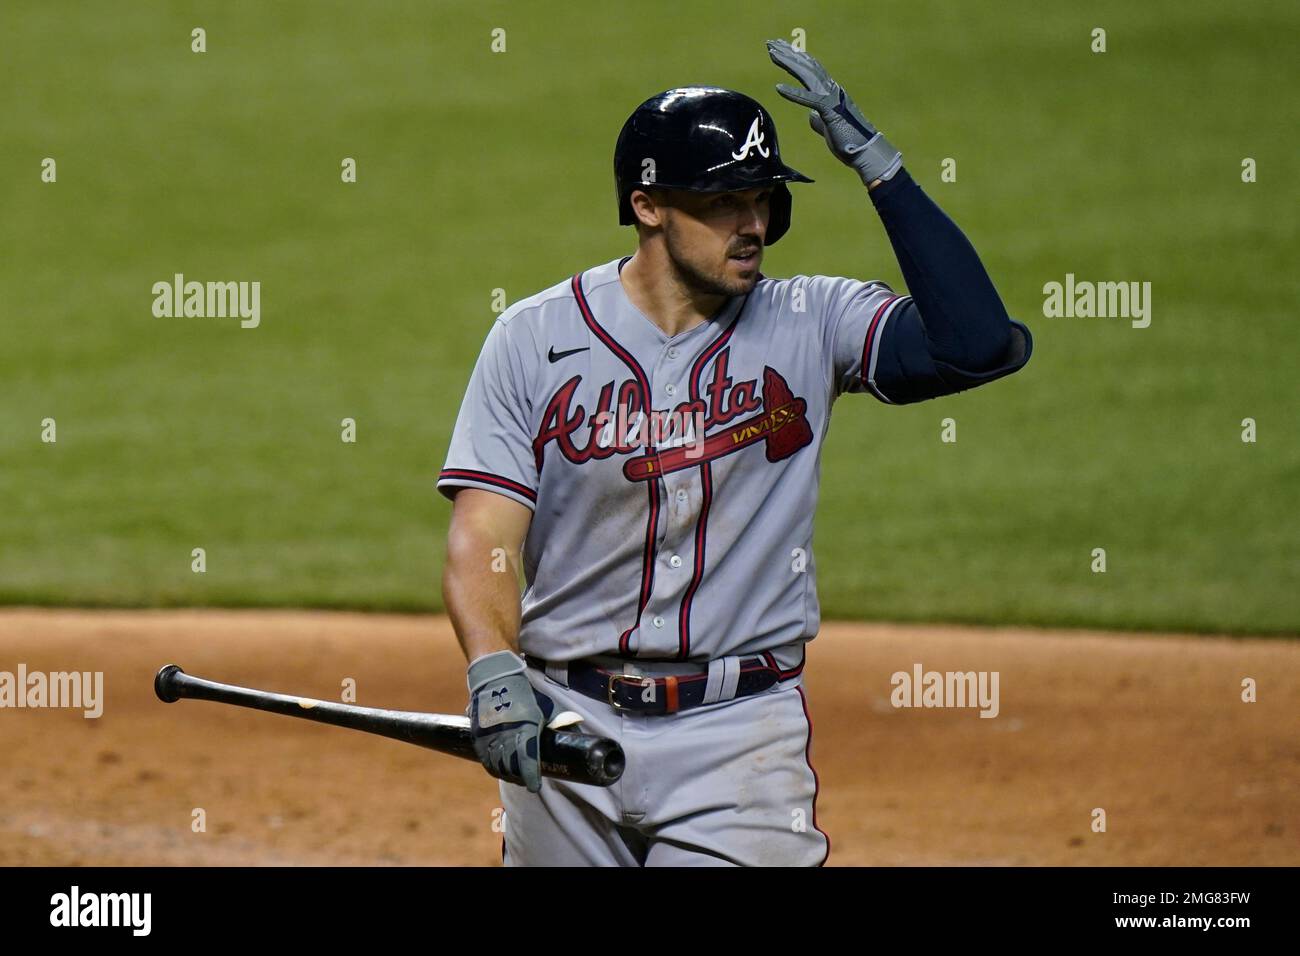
715	240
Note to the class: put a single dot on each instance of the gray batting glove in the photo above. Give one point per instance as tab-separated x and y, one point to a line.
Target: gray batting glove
849	134
506	717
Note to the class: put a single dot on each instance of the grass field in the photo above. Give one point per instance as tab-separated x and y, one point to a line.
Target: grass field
480	170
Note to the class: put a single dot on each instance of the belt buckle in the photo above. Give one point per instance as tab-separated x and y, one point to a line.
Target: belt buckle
610	690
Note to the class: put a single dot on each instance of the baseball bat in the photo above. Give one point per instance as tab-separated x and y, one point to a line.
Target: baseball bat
579	758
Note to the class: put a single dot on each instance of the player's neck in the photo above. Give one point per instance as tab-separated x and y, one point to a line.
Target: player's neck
654	288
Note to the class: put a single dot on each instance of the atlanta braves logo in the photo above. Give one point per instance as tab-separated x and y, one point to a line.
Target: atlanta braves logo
677	439
753	140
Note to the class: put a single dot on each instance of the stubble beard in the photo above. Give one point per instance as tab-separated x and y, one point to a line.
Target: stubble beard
701	282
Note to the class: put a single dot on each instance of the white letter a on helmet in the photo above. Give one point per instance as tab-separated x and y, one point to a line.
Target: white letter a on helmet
753	140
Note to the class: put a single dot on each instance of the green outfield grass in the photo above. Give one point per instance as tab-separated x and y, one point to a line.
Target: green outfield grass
481	170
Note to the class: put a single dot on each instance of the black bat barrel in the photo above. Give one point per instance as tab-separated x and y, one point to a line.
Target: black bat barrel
580	758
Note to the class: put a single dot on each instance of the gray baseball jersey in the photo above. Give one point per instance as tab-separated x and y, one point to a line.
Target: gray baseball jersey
673	480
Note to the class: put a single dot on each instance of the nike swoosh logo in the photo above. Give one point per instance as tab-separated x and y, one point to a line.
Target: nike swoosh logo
555	356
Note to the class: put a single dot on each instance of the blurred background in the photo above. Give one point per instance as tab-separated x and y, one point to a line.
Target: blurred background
481	170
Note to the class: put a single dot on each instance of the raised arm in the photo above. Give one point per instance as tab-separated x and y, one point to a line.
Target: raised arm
952	332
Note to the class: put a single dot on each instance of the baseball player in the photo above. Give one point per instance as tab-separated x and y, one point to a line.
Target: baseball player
649	432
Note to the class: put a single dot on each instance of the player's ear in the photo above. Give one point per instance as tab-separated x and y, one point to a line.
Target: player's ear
647	207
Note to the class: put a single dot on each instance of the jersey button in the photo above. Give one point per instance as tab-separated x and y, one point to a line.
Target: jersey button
675	560
681	494
658	622
673	353
670	388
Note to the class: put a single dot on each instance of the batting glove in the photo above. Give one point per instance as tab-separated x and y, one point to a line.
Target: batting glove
850	135
506	717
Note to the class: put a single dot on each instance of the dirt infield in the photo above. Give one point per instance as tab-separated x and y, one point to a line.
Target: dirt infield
1150	728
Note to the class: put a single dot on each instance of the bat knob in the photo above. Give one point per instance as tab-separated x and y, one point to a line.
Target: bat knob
606	763
163	683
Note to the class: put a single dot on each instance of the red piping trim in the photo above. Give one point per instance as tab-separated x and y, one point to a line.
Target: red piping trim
807	756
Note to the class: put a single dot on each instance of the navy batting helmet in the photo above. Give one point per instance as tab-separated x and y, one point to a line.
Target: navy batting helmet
704	139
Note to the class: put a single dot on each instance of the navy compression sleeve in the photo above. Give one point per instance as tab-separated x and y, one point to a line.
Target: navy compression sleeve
955	333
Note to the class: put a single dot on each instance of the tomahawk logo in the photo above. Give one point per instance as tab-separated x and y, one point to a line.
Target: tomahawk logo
753	140
75	908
